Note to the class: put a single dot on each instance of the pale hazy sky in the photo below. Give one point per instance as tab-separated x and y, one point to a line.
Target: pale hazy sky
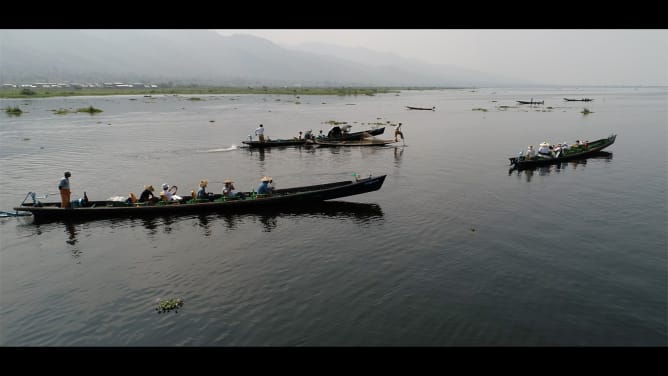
562	56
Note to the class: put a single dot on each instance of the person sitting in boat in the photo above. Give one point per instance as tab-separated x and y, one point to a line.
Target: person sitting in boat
544	149
264	188
531	153
201	192
564	146
229	191
169	196
147	194
346	128
557	151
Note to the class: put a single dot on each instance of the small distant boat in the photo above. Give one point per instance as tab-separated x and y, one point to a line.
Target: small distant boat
578	100
530	102
421	108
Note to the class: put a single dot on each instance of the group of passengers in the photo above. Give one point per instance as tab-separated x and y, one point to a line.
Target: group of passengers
547	150
168	193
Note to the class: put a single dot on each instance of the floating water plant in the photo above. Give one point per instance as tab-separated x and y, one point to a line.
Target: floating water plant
480	109
61	111
586	111
13	110
90	109
166	305
334	122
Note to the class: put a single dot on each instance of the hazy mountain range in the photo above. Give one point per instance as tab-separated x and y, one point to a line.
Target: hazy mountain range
207	58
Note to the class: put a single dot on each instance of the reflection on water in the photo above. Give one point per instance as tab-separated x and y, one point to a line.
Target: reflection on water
360	213
558	168
398	154
72	240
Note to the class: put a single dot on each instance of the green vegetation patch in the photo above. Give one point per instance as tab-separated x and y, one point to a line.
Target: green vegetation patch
334	122
166	305
13	110
480	109
90	109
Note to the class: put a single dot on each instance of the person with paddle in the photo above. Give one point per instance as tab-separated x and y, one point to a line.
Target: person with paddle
398	132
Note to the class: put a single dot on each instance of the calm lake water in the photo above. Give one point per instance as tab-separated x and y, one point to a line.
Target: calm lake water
452	251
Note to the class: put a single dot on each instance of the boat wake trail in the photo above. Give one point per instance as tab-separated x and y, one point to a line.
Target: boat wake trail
233	147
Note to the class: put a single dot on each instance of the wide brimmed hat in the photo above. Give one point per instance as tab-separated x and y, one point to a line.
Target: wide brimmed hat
544	143
203	183
266	178
149	187
228	181
165	186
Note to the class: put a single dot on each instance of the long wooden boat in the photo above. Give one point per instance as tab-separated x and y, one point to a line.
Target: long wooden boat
578	100
305	195
340	136
530	102
363	142
274	143
573	152
421	108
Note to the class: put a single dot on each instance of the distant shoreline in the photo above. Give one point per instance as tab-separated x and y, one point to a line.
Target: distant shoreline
22	93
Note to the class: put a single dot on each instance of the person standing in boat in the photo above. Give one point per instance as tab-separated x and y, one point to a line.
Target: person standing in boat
65	192
398	132
531	152
260	133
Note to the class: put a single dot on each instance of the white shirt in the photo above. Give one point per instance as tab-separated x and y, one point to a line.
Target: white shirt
259	131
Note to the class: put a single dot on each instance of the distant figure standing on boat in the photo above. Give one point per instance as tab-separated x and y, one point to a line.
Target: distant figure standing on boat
260	132
65	192
530	152
398	132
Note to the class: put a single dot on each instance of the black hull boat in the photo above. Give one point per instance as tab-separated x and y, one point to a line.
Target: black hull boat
578	100
364	142
530	102
421	108
289	197
274	143
335	134
574	152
